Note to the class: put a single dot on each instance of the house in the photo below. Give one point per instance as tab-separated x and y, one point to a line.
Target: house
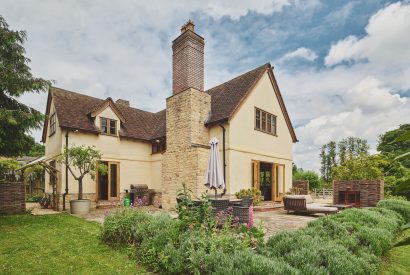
165	149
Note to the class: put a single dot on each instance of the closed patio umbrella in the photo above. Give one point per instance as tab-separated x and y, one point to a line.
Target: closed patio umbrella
214	177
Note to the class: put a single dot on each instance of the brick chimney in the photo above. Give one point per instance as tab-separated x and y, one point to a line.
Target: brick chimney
187	60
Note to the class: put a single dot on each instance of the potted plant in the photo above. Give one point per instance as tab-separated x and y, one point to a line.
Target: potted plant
81	161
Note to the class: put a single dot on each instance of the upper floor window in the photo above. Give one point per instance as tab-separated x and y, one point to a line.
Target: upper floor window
52	124
265	122
159	146
108	126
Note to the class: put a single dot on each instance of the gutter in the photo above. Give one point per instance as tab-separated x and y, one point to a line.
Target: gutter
66	172
223	155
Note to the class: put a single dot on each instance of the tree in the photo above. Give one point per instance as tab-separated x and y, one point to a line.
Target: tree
396	143
37	150
361	168
333	154
16	119
309	175
351	147
81	161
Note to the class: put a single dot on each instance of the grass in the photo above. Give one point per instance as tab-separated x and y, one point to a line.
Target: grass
397	259
58	244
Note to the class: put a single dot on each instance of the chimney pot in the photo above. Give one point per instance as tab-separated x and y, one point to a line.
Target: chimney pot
123	102
188	26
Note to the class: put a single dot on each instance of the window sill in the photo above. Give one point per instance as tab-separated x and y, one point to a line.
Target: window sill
110	135
265	132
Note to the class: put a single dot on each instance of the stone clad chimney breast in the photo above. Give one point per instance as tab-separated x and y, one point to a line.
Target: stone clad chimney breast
188	60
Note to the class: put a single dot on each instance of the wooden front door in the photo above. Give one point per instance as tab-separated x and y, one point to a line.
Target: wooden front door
278	190
108	184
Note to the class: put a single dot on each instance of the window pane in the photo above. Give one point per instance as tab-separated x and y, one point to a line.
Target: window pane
274	125
258	119
104	125
263	121
269	124
113	130
113	180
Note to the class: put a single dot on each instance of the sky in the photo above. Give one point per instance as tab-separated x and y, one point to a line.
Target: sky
343	67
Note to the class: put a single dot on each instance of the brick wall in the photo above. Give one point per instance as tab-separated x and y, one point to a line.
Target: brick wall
303	185
12	198
371	191
187	62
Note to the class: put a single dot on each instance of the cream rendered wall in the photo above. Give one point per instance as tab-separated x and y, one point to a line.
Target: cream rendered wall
216	131
247	144
137	164
53	148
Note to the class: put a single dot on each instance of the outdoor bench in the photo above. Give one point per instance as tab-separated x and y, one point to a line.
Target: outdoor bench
305	204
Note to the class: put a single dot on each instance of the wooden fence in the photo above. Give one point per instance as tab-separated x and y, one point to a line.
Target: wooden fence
323	193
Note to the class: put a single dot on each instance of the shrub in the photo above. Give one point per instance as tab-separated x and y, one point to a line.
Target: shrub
130	226
399	206
316	255
252	192
246	262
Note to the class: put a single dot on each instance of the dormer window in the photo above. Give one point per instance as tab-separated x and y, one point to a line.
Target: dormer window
52	124
108	126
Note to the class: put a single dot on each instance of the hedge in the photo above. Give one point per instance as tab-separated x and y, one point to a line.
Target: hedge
351	242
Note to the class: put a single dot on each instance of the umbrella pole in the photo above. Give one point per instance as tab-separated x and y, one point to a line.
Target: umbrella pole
215	194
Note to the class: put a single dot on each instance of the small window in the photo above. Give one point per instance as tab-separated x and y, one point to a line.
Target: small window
113	127
274	125
258	119
265	122
159	146
52	124
104	128
108	126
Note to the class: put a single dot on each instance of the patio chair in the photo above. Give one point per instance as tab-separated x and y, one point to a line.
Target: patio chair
242	213
305	204
219	205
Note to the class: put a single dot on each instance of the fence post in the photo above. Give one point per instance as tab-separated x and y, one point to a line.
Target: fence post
323	192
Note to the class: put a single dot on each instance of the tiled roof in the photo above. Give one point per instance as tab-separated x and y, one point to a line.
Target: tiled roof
73	109
226	97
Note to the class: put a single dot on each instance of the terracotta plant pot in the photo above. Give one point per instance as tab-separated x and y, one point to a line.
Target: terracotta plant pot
80	206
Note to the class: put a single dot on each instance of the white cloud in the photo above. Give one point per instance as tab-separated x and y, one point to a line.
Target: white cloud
358	100
370	96
386	40
302	53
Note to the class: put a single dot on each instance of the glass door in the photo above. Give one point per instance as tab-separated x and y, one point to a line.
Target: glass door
108	184
279	182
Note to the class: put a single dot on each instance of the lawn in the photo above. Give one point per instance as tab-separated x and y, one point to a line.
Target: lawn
397	259
58	244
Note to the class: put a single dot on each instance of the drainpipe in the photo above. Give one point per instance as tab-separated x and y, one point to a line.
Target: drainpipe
223	155
66	172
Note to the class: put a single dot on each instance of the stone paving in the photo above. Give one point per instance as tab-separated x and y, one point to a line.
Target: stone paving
277	220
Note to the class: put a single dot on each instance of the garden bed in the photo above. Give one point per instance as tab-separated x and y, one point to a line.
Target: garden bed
351	242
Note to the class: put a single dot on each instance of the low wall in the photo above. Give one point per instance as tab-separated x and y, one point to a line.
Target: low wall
303	185
371	191
12	198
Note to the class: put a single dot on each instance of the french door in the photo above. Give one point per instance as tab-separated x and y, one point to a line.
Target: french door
108	184
278	190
